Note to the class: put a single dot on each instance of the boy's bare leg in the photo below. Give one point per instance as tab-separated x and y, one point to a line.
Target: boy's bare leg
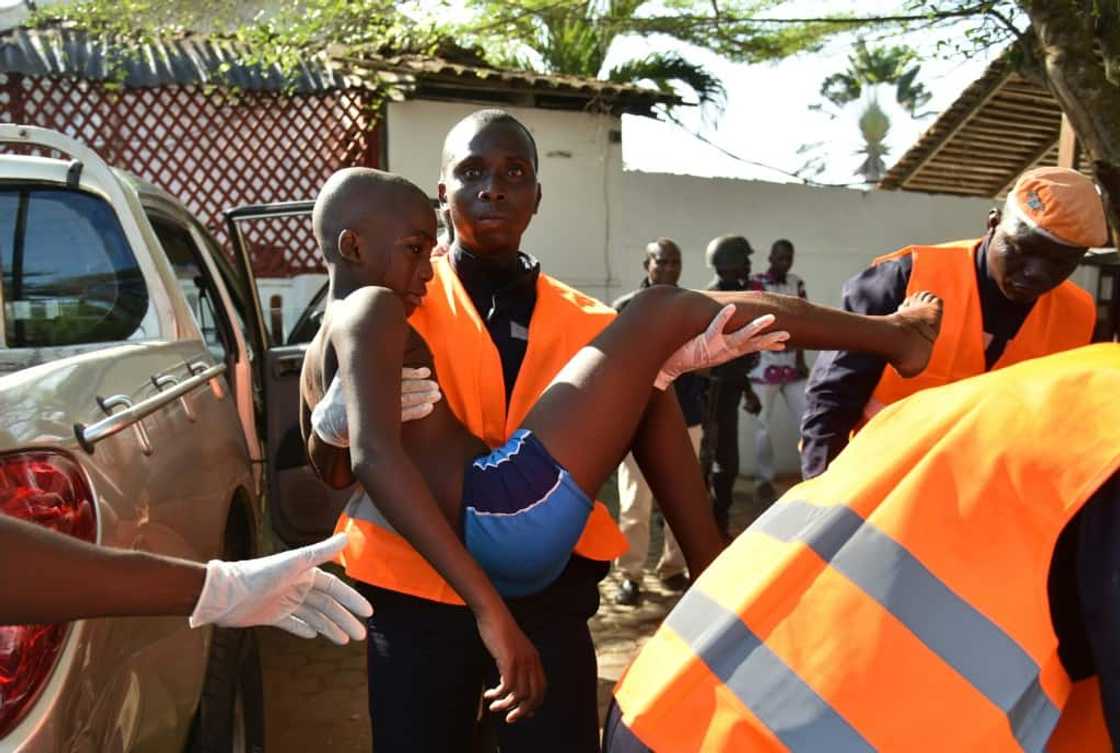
588	415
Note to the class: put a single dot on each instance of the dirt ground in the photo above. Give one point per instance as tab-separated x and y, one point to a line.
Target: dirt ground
315	692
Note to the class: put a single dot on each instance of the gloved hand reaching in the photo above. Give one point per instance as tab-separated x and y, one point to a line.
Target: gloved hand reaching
714	346
286	590
418	398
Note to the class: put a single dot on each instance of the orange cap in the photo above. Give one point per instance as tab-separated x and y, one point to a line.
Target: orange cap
1060	204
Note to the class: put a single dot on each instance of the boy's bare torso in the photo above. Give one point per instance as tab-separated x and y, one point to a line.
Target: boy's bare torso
438	445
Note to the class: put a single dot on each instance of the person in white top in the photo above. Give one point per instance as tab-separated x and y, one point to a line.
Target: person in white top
778	372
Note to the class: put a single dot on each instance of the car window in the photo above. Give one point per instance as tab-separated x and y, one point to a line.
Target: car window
235	286
202	300
308	323
68	274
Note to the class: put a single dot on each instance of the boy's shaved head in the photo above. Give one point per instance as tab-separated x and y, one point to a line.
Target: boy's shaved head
477	121
352	198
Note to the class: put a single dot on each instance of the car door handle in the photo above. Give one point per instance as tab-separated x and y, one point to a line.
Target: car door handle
198	367
169	380
122	401
133	414
287	365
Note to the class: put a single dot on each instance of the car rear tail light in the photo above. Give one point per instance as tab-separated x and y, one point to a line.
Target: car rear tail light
47	488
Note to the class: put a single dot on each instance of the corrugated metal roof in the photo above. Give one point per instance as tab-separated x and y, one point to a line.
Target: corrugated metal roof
185	61
1001	125
196	59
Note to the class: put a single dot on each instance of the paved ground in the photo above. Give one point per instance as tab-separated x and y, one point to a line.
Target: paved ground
315	692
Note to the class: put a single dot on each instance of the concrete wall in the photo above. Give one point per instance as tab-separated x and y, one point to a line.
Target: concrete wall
836	233
596	218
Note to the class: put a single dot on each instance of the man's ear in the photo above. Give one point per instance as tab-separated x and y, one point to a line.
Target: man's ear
349	247
995	215
441	193
537	206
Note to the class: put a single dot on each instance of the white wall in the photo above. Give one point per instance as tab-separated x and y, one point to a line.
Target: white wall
596	218
836	233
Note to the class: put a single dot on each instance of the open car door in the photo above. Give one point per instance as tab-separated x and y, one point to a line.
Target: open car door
301	507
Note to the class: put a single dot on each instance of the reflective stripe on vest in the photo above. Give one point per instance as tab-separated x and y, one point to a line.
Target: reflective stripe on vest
1060	320
469	372
913	616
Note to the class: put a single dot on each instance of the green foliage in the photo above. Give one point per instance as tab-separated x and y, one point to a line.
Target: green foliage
662	68
281	33
575	37
896	66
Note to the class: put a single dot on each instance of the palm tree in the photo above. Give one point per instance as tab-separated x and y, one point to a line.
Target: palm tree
575	37
869	70
874	124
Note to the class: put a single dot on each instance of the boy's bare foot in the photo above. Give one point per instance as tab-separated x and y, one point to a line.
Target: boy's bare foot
920	317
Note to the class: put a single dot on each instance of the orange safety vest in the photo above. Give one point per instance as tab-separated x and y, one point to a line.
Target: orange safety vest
1060	320
470	376
898	602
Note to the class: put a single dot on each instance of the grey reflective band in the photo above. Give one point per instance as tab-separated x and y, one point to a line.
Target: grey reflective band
781	700
977	648
361	507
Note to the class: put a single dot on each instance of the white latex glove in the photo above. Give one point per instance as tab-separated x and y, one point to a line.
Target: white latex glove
285	590
418	398
714	346
419	394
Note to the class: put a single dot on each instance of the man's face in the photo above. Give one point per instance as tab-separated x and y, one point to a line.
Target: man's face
490	188
397	249
663	265
1025	264
781	261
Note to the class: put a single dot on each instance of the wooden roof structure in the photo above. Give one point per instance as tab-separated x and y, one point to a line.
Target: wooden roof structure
442	77
1001	125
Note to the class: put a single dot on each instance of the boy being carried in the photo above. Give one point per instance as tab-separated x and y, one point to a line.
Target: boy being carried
521	507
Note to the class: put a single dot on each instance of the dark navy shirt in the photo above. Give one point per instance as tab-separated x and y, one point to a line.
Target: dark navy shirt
504	296
739	369
1084	595
842	381
690	388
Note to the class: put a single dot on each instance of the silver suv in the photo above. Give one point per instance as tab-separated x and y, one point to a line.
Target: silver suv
142	405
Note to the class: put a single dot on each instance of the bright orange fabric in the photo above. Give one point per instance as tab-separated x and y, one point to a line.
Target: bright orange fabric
975	481
470	375
1060	320
1082	728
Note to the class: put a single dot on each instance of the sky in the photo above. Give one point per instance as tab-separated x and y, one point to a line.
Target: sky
767	116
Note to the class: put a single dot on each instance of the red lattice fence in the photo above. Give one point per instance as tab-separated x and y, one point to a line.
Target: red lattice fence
213	148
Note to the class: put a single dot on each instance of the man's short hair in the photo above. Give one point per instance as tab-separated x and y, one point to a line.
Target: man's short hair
481	119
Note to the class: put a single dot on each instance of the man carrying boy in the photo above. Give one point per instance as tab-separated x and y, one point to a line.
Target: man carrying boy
500	330
777	373
635	499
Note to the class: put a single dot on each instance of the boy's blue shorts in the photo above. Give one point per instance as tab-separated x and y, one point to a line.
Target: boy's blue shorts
522	515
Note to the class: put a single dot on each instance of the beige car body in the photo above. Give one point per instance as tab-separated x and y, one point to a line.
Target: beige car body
134	684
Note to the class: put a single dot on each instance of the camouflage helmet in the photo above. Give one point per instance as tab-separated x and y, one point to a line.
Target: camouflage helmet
728	251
